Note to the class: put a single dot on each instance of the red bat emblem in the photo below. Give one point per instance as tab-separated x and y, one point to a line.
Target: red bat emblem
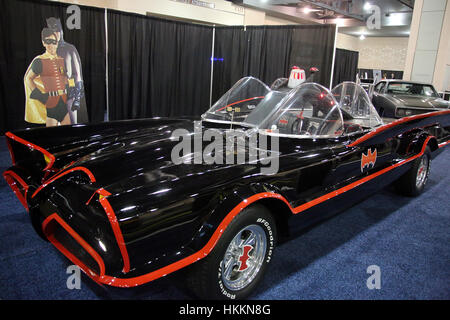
369	159
244	257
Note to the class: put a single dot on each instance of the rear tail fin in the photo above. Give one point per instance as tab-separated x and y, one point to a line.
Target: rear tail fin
28	155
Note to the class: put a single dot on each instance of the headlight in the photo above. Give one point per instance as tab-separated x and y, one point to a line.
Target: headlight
408	112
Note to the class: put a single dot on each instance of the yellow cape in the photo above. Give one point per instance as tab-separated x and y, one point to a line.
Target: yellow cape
35	111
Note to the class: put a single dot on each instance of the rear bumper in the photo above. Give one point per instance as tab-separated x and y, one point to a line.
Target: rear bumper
95	245
84	228
73	246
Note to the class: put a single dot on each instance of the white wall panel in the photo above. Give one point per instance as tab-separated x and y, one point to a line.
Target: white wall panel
434	5
423	68
430	30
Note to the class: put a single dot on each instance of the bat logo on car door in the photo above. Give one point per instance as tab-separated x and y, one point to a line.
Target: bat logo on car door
368	159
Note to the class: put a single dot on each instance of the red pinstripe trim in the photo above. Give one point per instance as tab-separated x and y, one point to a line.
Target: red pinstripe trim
49	234
136	281
46	183
33	146
89	201
355	184
232	104
443	144
395	123
12	179
114	225
116	228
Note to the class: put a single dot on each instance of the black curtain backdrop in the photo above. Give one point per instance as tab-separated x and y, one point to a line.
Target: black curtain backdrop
231	59
20	41
345	66
268	53
313	46
157	67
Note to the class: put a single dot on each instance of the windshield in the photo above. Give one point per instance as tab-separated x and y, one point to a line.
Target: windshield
308	110
356	107
238	102
267	106
411	89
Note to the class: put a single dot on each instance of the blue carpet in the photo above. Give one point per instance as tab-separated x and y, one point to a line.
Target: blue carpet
408	238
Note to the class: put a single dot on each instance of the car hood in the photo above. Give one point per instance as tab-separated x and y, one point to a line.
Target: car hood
419	102
135	158
141	163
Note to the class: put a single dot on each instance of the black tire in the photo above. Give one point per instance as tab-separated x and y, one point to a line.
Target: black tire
413	182
205	279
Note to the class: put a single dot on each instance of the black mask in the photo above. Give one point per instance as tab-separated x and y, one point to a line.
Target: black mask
50	41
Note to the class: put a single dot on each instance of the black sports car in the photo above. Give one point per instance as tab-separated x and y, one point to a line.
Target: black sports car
115	201
397	98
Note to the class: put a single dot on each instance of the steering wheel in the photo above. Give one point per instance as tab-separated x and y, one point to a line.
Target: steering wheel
300	126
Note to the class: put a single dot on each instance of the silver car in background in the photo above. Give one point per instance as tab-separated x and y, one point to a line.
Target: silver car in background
398	98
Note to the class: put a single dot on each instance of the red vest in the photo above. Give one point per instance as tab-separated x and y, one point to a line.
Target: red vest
54	79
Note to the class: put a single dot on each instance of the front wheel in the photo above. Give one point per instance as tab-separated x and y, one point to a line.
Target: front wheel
238	262
413	182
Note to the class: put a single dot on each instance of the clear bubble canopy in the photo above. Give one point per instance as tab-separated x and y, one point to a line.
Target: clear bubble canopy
309	110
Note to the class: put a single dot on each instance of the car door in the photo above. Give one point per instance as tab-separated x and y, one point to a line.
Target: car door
357	161
356	158
336	185
340	180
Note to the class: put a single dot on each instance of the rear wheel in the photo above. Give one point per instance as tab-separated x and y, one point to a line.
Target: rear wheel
239	260
413	182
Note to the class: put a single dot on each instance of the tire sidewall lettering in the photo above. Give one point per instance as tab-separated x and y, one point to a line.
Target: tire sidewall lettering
271	243
222	288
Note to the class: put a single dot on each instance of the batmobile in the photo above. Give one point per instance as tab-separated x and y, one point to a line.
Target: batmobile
397	98
110	197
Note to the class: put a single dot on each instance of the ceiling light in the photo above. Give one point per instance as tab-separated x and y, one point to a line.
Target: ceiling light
339	22
362	37
306	10
367	6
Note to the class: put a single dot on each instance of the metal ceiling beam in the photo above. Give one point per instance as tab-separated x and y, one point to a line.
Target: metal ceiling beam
331	8
279	11
354	22
408	3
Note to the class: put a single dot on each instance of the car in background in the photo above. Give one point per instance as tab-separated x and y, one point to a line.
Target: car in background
398	98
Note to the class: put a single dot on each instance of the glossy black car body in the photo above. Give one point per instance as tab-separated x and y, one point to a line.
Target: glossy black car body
392	104
110	199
